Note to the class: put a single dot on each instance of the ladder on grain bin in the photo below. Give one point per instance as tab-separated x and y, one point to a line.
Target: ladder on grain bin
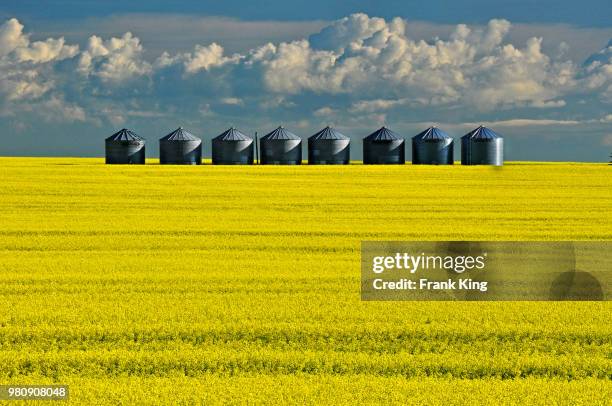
256	149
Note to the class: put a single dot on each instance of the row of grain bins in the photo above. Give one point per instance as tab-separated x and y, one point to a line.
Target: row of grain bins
481	146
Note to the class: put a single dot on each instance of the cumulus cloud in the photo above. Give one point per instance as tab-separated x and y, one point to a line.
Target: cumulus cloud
16	84
324	112
11	36
202	58
113	60
46	51
370	57
348	30
25	73
56	109
363	67
376	105
598	73
14	41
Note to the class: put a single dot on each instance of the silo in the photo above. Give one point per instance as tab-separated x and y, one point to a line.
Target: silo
281	147
482	146
180	148
232	148
432	147
125	147
383	146
329	147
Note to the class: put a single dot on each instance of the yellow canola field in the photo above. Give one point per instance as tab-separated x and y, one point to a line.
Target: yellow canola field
179	284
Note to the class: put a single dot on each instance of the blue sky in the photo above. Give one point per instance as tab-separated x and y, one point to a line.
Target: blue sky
73	72
591	13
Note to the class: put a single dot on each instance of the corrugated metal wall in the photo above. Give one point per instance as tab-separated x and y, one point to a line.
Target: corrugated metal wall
180	152
384	152
432	152
280	152
329	152
482	151
232	152
125	152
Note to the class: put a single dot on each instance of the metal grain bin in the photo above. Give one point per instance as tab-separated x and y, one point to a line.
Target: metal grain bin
383	146
232	148
125	147
180	148
329	147
482	146
281	147
432	147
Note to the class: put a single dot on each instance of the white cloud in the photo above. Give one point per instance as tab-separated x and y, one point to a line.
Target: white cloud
14	41
202	58
324	112
345	31
46	51
113	60
376	105
57	110
232	101
547	104
522	122
25	67
22	85
276	102
356	68
607	140
11	36
370	57
598	73
294	67
205	58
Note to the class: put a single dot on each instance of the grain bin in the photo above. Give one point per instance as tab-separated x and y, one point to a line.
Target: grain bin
232	148
180	148
329	147
281	147
383	146
125	147
482	146
432	147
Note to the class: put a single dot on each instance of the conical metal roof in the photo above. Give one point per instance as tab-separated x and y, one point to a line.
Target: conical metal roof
280	134
125	135
383	134
180	134
328	133
232	135
481	133
431	134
